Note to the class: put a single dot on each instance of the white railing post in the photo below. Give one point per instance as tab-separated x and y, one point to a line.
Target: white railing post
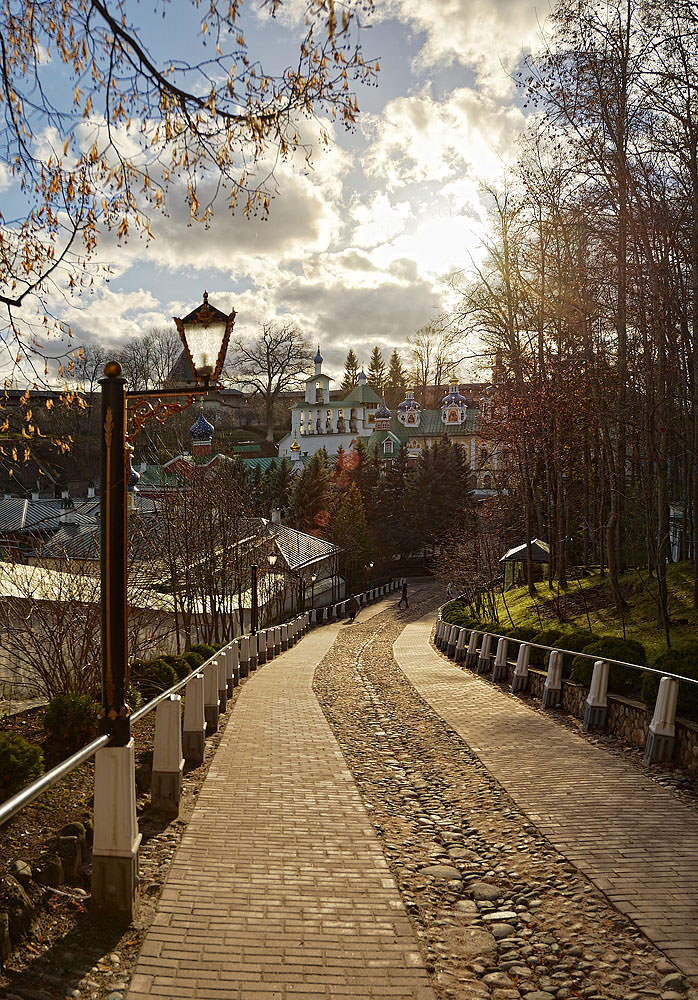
234	654
451	639
210	672
244	655
194	735
459	655
484	659
262	648
596	704
660	738
499	672
284	638
519	681
222	683
252	639
552	689
116	837
471	652
168	761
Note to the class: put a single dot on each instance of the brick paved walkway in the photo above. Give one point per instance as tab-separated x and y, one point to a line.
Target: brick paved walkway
631	837
279	888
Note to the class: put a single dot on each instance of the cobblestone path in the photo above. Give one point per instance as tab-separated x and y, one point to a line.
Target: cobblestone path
633	839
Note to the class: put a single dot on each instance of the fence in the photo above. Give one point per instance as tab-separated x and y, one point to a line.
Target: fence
598	709
177	739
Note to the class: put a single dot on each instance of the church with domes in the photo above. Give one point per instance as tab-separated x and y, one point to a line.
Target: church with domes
318	422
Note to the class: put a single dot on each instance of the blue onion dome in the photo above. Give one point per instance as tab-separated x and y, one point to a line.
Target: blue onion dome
201	429
383	411
454	397
362	377
409	403
318	356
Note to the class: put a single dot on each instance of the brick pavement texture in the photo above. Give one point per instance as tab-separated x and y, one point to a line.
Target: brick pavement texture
279	887
630	836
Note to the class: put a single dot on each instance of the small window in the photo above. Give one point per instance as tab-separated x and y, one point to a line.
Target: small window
388	447
483	455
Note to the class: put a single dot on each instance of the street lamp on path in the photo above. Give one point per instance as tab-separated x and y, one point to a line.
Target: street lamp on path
205	333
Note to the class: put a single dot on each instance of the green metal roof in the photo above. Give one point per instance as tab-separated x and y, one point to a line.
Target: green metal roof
362	394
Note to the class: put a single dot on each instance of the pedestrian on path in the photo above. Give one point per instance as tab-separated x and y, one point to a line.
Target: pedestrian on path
353	608
403	596
449	590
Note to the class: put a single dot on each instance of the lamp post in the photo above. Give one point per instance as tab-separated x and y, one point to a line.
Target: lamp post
271	559
254	611
205	334
313	578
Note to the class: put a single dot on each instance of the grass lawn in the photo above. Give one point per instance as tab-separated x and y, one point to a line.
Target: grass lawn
588	604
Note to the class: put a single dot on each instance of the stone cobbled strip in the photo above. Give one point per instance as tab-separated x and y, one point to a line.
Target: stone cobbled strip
279	888
631	837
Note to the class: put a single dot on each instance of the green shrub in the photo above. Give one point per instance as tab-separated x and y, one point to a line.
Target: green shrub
546	637
193	659
203	649
523	633
622	680
20	764
683	660
71	719
178	664
152	677
576	641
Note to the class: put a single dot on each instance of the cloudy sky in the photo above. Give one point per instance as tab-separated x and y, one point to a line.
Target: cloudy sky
358	247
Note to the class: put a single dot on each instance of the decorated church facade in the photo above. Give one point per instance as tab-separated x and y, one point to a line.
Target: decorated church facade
318	422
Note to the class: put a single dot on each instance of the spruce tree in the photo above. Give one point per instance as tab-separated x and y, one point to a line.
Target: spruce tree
351	372
395	386
376	371
350	532
311	499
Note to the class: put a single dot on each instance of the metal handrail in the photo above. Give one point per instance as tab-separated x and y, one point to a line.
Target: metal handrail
17	802
572	652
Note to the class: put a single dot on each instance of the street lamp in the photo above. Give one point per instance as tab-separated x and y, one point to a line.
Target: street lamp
254	612
271	559
205	334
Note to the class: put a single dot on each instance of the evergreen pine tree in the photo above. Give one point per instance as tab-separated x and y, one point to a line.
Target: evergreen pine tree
283	486
351	372
395	381
376	371
350	531
311	499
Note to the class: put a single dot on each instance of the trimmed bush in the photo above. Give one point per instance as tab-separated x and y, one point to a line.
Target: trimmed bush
193	659
71	719
546	637
178	664
576	641
683	660
622	680
152	677
20	764
203	649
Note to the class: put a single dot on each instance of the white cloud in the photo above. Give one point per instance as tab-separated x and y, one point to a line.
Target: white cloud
488	36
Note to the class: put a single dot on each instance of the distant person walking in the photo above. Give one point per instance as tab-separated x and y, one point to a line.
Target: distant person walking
449	590
403	596
353	608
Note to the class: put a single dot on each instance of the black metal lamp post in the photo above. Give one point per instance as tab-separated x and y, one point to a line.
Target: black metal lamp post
254	610
205	334
271	559
313	578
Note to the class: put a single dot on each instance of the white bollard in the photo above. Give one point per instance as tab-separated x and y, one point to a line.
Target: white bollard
253	651
451	640
552	689
499	673
244	655
596	704
234	656
660	738
116	837
459	655
471	652
484	659
225	655
210	672
193	738
262	648
284	638
277	640
168	762
519	681
222	684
